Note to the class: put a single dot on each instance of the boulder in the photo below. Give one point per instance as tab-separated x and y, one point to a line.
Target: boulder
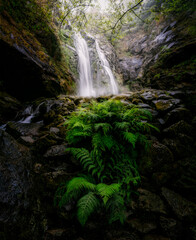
181	146
9	106
177	128
156	159
155	237
17	129
60	234
177	115
171	227
180	206
141	226
165	105
149	96
150	202
56	151
15	184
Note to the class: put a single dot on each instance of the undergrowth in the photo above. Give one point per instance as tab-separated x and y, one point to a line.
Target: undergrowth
105	138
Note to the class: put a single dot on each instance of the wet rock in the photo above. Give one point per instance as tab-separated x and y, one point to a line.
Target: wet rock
155	237
181	146
136	101
165	105
130	67
184	181
9	106
60	234
18	129
153	112
177	128
141	226
164	96
57	151
144	105
38	168
54	130
161	121
177	114
181	206
161	178
46	141
157	157
149	96
171	227
49	117
15	180
150	202
27	140
116	234
177	94
55	233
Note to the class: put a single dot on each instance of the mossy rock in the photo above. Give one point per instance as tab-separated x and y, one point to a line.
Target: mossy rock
158	158
180	127
44	142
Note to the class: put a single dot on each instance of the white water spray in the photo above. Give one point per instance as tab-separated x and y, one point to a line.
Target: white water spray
104	83
85	83
105	64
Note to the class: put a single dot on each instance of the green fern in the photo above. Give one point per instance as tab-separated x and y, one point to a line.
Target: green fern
116	208
89	196
105	138
130	137
75	188
86	206
106	191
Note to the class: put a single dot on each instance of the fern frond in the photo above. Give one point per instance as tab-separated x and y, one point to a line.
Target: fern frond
106	191
102	142
75	188
105	127
152	127
86	206
116	208
122	125
130	137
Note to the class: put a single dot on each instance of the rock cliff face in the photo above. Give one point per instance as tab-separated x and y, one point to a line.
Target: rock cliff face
159	53
28	71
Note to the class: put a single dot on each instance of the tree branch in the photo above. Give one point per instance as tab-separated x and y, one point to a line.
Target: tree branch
69	11
128	10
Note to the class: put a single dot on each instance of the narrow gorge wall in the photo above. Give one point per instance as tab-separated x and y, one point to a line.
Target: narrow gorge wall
159	52
31	67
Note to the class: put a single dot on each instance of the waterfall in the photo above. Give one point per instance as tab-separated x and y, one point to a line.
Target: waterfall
104	82
112	82
85	83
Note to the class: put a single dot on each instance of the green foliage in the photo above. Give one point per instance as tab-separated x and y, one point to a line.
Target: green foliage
35	17
105	138
177	6
91	198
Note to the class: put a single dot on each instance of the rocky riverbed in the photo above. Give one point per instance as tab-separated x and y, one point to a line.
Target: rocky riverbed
34	163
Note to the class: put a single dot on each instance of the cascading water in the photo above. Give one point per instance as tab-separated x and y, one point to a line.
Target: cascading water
104	83
85	83
112	85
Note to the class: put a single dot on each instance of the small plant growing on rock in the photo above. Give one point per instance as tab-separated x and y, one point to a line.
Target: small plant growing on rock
104	138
